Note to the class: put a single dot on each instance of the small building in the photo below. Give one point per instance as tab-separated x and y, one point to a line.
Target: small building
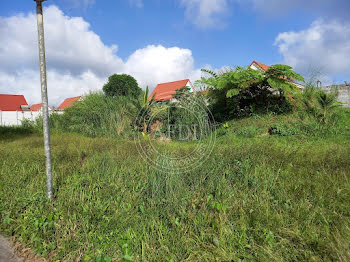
255	65
13	109
68	102
164	92
38	108
259	66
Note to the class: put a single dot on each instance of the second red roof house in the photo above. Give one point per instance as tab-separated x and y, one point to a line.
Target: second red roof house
165	91
37	107
68	102
263	68
259	66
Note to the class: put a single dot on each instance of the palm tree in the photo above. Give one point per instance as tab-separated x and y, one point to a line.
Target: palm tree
145	108
327	103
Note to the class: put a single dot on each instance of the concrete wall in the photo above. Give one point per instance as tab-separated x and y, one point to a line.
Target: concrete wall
343	93
14	118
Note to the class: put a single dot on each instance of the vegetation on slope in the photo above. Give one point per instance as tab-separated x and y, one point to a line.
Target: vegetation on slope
258	198
276	187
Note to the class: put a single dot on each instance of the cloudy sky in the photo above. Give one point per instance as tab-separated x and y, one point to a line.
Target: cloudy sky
165	40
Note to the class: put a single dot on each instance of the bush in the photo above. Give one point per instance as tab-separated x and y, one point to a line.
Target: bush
12	131
188	117
283	130
99	115
318	104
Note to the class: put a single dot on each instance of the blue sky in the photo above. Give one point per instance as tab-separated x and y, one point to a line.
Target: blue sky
163	40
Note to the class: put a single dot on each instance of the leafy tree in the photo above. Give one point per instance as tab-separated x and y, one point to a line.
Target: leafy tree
234	81
279	77
122	85
243	89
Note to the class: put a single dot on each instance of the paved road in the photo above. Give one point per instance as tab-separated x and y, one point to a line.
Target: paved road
6	251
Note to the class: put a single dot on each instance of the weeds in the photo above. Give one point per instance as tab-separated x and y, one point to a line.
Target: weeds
271	198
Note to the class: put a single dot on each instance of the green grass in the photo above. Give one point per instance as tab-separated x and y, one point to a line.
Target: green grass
13	132
271	198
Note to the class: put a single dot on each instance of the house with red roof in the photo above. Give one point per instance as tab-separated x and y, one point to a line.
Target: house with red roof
263	68
68	102
13	103
259	66
13	109
165	91
38	108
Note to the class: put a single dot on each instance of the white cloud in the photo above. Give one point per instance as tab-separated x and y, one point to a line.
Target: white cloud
323	46
77	59
27	82
161	64
70	45
206	13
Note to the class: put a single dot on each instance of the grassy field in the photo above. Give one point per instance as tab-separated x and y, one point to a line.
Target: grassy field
282	197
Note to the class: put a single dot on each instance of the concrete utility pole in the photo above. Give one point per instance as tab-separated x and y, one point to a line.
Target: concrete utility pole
45	109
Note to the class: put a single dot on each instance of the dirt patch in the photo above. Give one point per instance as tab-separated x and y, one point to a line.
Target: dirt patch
26	254
7	253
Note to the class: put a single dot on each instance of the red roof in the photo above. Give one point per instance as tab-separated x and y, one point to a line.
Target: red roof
266	67
165	91
68	102
12	102
35	107
261	65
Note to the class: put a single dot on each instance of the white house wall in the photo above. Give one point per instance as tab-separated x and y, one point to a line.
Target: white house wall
189	85
14	118
255	67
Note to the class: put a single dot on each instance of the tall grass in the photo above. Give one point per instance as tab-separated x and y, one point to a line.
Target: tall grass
12	132
269	198
98	115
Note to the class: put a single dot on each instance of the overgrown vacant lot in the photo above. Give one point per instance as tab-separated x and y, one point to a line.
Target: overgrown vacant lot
269	198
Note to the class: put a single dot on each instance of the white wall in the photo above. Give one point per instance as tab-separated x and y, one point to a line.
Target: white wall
14	118
255	67
343	93
188	85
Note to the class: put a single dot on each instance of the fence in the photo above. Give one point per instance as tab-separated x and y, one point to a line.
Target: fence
343	93
15	118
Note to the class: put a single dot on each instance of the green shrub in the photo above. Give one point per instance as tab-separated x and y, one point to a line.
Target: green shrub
318	104
190	112
99	115
14	131
283	129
